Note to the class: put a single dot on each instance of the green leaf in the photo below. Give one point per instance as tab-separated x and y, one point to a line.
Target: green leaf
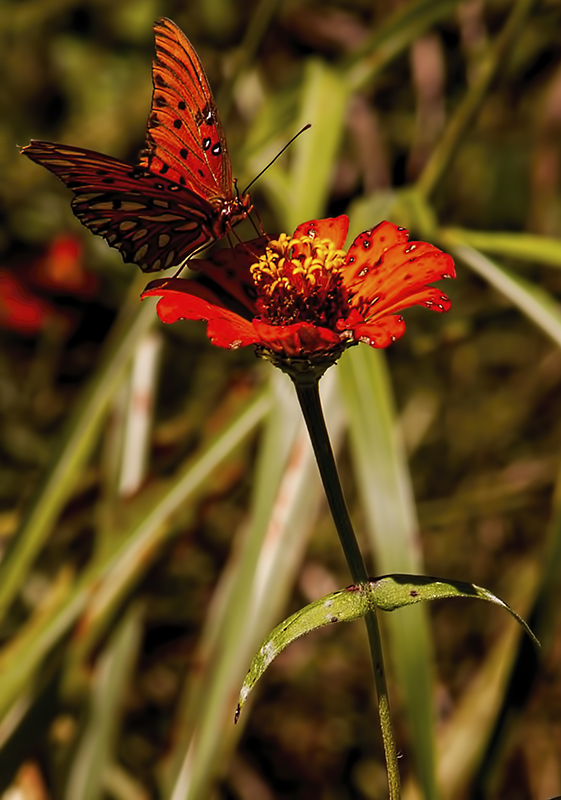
386	593
344	605
396	591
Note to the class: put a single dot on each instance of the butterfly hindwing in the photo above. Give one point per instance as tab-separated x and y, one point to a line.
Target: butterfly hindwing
154	222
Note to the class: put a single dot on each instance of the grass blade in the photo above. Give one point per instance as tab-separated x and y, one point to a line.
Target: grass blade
533	301
112	675
111	577
524	246
249	601
303	193
80	435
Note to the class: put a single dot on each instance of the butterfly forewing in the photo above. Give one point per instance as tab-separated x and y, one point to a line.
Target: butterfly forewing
185	140
153	222
180	196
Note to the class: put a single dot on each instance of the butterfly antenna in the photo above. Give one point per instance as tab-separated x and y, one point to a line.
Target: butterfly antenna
305	128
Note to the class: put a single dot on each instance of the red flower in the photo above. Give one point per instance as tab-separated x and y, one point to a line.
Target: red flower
305	297
62	268
20	310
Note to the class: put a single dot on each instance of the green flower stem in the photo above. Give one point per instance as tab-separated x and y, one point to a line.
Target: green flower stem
310	403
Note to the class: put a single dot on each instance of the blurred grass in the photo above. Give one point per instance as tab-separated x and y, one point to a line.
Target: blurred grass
128	622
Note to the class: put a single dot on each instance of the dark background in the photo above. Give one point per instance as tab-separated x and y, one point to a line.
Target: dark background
484	462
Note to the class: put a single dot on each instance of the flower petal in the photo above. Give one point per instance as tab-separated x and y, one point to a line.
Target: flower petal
395	277
381	333
184	299
300	338
399	278
333	228
369	247
230	269
428	296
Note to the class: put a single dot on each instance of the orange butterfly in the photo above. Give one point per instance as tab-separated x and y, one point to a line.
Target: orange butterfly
180	197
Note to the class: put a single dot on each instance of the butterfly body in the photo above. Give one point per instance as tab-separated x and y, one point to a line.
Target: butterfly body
180	197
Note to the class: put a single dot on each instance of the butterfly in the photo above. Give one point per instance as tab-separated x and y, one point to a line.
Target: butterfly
180	197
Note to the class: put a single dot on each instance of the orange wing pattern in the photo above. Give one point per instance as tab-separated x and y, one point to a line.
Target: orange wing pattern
179	198
185	140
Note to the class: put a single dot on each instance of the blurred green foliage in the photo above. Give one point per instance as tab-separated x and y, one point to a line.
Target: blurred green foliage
130	617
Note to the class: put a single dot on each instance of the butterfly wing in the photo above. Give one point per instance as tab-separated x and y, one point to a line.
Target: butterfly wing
154	222
179	198
185	140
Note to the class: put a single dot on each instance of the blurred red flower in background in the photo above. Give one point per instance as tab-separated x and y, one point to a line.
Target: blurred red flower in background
60	270
20	310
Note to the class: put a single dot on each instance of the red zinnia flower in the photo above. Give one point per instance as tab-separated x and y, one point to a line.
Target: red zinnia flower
305	298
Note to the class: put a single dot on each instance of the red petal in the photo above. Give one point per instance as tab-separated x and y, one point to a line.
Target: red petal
333	228
229	330
369	247
230	269
429	296
301	338
398	277
183	299
177	294
381	333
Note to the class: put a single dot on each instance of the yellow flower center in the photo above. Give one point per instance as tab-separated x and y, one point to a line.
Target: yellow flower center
299	280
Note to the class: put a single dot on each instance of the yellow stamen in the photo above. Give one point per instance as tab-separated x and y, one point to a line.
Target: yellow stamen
299	279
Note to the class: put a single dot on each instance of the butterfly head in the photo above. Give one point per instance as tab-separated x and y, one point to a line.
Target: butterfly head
230	212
